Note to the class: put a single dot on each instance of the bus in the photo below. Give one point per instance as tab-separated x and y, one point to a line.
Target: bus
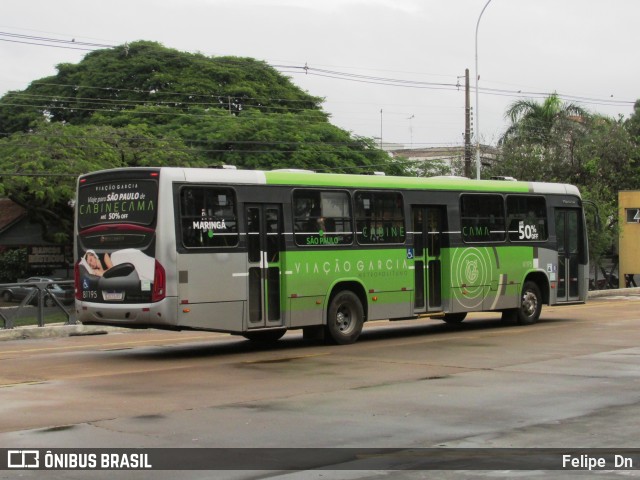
257	253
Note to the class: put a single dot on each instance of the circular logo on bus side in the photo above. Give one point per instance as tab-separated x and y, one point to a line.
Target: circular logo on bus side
471	271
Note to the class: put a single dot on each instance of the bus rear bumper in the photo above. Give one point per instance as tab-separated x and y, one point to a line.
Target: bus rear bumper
158	314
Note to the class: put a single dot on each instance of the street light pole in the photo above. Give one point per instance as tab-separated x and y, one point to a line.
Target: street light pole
477	115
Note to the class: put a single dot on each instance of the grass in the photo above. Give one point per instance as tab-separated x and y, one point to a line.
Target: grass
29	316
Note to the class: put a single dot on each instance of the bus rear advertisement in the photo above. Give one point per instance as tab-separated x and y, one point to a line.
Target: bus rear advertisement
115	240
257	253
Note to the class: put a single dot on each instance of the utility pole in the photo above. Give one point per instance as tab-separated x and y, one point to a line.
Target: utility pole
380	129
467	125
477	111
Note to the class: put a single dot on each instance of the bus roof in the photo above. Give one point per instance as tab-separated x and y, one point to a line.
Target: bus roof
416	183
303	178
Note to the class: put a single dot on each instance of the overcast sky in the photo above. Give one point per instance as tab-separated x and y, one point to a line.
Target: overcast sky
586	50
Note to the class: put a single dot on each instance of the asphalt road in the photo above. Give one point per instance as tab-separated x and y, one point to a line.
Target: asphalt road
572	380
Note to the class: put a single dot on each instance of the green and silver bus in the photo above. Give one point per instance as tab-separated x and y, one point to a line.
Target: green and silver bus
257	253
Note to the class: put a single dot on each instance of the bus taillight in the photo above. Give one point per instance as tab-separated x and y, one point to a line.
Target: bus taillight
159	283
76	278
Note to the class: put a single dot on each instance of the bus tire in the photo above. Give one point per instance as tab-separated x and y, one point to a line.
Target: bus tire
345	318
530	304
510	317
455	318
265	336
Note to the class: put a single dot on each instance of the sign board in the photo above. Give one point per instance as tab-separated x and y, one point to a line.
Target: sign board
50	256
633	215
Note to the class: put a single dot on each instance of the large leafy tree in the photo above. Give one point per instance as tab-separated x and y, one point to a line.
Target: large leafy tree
39	168
145	73
144	104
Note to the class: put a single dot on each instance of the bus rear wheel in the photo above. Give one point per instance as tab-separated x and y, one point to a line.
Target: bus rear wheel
345	318
454	318
265	336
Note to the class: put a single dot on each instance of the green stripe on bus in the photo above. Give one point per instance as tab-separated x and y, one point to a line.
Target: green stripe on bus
375	181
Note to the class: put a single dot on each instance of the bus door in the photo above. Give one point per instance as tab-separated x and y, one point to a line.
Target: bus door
569	236
264	244
428	225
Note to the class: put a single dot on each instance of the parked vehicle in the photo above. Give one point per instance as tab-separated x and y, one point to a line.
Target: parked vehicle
63	292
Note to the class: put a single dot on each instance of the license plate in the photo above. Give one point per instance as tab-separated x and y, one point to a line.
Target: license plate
113	296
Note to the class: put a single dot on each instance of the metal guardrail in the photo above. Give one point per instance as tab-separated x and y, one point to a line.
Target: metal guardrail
43	295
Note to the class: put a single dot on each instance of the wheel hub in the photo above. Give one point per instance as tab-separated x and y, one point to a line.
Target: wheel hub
529	303
343	321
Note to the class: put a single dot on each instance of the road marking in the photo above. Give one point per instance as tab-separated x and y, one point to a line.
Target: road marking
286	359
113	344
7	385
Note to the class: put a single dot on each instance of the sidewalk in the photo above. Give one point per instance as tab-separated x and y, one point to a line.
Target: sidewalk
54	330
61	330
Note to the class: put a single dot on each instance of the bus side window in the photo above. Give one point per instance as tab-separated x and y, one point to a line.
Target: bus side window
529	218
380	217
482	218
322	217
208	217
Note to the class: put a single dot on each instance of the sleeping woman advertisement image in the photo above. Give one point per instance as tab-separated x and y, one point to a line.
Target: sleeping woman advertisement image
93	264
117	275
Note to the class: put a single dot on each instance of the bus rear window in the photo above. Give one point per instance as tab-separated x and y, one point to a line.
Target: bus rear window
119	201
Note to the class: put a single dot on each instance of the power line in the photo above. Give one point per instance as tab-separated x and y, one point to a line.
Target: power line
37	174
334	74
51	42
166	92
125	103
185	140
200	150
293	69
449	86
44	45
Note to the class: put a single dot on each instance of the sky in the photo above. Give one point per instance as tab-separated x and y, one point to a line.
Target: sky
386	68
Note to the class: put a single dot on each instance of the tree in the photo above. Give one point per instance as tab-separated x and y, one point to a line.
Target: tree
556	141
13	265
45	163
547	132
542	123
142	104
633	124
147	74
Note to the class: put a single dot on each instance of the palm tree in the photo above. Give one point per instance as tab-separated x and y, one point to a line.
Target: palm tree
546	135
542	123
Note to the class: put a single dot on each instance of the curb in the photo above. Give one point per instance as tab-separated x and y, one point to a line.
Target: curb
60	330
54	331
618	292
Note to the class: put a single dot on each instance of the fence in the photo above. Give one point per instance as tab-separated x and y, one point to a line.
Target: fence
604	275
41	301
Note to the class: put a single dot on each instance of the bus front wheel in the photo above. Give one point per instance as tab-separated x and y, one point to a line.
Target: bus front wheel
345	318
530	304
